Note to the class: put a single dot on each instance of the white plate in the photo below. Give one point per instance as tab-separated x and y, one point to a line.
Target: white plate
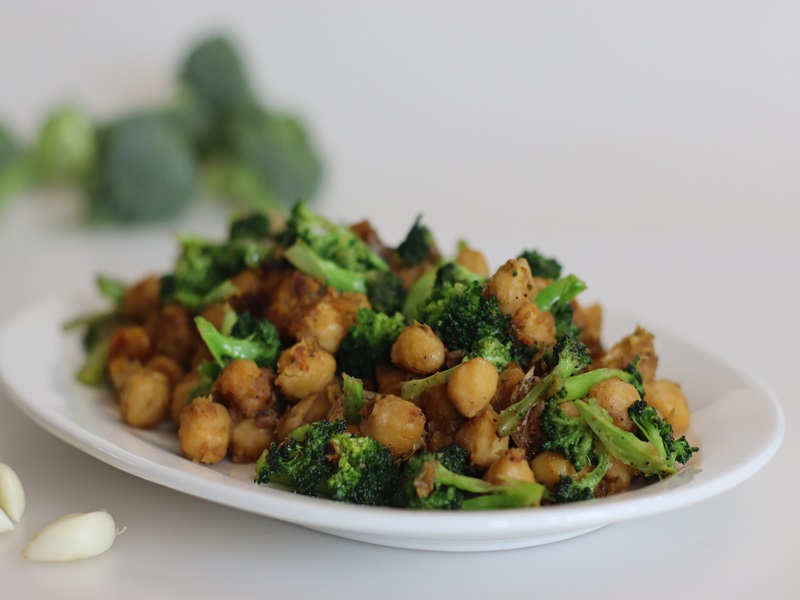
736	422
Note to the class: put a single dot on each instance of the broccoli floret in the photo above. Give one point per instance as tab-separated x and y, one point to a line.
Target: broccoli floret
144	170
253	226
542	266
65	149
14	166
322	459
430	285
569	436
385	291
203	268
573	357
659	433
652	459
368	343
574	488
353	398
253	338
557	298
417	244
427	484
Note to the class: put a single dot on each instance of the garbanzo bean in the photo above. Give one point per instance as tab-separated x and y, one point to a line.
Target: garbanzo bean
243	386
418	350
478	436
142	299
182	395
513	285
205	431
473	260
144	398
472	386
669	401
250	437
548	467
304	369
639	343
616	396
533	327
167	366
511	465
309	409
394	422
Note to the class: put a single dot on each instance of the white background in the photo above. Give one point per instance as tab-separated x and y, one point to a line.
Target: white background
653	147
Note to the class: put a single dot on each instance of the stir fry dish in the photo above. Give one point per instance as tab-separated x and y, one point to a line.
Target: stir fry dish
342	367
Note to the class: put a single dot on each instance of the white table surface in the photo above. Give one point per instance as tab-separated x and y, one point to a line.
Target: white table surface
653	149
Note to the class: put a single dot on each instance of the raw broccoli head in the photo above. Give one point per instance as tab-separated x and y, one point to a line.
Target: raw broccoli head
368	343
144	170
65	149
542	266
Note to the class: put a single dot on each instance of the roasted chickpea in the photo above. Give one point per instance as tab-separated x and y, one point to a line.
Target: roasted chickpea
548	467
533	327
478	436
473	260
511	465
244	386
617	479
639	343
394	422
205	431
167	366
513	285
175	333
250	437
309	409
507	383
144	398
321	322
304	369
441	417
472	386
141	300
418	350
130	341
182	394
616	396
669	401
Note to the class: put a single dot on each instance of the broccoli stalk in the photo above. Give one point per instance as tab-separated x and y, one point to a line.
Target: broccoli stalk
321	458
251	338
578	386
654	456
430	485
412	389
353	391
572	358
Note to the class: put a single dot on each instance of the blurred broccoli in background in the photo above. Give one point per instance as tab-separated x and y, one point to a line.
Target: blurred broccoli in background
148	164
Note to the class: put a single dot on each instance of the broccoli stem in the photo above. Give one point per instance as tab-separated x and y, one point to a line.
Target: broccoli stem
93	371
559	292
353	389
222	346
409	390
327	272
513	494
578	386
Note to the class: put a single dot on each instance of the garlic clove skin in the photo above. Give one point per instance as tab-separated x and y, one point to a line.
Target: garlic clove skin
73	537
12	496
5	522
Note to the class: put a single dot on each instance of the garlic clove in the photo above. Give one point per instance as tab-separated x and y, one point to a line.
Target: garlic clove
12	496
73	537
5	522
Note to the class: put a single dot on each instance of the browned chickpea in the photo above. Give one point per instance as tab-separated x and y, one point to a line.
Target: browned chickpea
130	341
394	422
472	386
142	299
616	396
512	285
321	322
244	386
167	366
478	436
507	384
511	465
473	260
144	398
669	401
418	350
304	369
639	343
441	417
589	320
182	394
250	437
308	410
617	479
294	292
205	431
120	369
175	333
548	467
389	378
533	327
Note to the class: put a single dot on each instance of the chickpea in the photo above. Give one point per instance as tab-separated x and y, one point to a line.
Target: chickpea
394	422
478	436
548	467
507	383
589	320
617	479
167	366
512	285
670	403
418	350
182	395
472	386
309	409
473	260
250	437
142	299
130	341
441	417
294	293
144	398
120	369
244	386
304	369
639	343
205	431
389	378
510	466
322	322
616	396
175	333
531	326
